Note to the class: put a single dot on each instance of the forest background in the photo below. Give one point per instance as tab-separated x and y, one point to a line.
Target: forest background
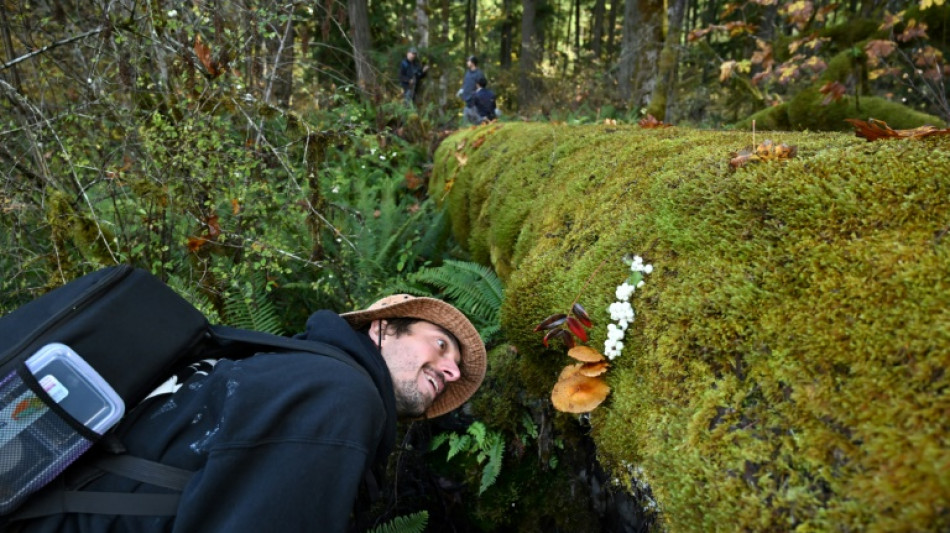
258	157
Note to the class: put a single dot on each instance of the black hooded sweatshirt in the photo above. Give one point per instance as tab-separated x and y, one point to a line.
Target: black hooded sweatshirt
279	442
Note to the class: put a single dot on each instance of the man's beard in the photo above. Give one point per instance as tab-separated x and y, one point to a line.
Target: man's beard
409	399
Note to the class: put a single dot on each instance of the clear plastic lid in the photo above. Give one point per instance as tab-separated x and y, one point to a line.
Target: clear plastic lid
76	387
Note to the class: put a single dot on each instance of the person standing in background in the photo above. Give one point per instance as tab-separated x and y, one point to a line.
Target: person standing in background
411	72
469	86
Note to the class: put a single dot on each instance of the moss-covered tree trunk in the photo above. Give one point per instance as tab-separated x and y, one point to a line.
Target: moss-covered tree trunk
663	93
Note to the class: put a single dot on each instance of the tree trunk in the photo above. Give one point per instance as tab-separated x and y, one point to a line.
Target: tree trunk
662	99
470	16
529	53
597	29
577	33
362	43
445	16
611	27
505	47
422	23
628	52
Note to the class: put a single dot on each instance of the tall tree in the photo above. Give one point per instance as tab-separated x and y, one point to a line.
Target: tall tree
612	27
471	17
662	98
529	53
628	52
422	23
505	44
640	45
362	43
597	28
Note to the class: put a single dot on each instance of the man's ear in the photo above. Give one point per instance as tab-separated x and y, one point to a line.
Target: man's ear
377	330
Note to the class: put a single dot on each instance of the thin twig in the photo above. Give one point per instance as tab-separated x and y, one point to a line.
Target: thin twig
49	47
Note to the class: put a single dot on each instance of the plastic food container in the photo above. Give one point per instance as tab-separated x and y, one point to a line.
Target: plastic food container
36	442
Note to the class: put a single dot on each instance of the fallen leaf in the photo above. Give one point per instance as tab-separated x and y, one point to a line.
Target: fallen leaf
833	91
742	158
204	55
874	129
765	151
461	158
413	181
650	122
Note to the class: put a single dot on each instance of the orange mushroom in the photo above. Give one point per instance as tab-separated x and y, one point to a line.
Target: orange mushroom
585	354
593	369
578	393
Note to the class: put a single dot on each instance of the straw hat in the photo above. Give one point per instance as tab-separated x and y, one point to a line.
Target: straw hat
442	314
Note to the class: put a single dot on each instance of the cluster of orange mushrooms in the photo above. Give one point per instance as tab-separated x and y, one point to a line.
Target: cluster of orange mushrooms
581	386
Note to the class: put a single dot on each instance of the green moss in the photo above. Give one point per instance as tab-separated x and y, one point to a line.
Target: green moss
787	366
807	112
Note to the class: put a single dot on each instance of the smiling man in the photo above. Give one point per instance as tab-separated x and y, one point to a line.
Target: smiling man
278	441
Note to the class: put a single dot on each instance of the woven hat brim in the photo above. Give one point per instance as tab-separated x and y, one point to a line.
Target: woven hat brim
473	356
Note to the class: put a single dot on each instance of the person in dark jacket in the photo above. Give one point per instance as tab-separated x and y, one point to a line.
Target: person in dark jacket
411	71
472	74
483	101
282	441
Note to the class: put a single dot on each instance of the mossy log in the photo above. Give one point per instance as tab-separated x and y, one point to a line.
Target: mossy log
787	368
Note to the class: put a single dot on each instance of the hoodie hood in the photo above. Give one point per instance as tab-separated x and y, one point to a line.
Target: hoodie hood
328	327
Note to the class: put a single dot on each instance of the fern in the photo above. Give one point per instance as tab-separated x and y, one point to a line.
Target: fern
473	288
485	446
458	443
414	523
249	307
495	453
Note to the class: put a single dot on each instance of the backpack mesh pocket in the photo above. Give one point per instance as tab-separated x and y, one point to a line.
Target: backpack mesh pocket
36	445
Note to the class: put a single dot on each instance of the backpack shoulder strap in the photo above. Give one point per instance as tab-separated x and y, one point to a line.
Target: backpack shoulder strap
238	343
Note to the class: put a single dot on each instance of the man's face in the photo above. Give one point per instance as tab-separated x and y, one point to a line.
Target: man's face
411	56
422	362
470	65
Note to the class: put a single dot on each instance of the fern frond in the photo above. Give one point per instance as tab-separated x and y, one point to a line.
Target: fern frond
458	443
496	454
249	307
438	440
475	289
414	523
479	431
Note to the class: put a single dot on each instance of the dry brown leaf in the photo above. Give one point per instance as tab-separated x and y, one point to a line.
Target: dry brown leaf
833	91
579	394
765	151
651	122
874	129
413	181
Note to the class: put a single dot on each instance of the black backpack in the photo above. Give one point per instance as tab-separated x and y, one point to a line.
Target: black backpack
134	331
